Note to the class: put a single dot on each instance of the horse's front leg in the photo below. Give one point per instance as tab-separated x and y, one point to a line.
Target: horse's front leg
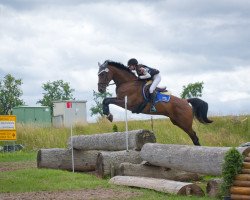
105	106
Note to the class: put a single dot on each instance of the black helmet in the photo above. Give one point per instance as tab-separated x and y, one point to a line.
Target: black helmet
132	61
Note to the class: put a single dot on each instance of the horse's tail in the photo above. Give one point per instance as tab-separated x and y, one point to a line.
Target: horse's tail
200	109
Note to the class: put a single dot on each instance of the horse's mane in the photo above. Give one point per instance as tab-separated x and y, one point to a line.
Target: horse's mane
119	65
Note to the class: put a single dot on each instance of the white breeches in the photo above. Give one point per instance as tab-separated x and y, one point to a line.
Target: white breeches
156	81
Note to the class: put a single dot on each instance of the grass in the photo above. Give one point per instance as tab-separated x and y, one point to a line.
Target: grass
18	156
225	131
29	180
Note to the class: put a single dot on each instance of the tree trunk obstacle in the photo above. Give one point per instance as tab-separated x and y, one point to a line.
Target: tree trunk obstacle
241	185
161	185
144	170
108	162
196	159
58	158
113	141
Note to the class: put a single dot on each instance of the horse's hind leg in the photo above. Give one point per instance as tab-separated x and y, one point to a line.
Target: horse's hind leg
194	137
186	125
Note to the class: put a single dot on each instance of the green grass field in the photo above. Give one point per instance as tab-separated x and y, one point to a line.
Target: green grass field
225	131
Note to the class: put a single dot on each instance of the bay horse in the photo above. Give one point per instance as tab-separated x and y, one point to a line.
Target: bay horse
127	84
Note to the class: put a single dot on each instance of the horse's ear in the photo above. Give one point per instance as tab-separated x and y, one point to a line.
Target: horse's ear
99	64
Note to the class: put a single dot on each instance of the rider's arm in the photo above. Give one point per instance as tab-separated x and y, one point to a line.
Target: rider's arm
144	72
133	71
145	76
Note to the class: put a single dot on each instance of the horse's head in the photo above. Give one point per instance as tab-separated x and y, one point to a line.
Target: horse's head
104	77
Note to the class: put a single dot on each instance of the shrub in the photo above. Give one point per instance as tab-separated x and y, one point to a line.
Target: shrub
232	166
115	128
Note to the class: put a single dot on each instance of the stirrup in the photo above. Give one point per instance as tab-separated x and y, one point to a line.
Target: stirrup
153	109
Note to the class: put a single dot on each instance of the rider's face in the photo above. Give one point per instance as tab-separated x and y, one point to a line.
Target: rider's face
132	67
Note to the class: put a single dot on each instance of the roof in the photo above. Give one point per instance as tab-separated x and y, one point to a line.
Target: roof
73	101
31	107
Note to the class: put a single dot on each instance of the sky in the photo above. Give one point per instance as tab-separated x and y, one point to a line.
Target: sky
188	41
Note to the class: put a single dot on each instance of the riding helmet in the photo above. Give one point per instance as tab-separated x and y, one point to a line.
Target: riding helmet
132	61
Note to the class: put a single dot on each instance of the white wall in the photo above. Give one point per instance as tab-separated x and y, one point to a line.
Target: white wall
77	114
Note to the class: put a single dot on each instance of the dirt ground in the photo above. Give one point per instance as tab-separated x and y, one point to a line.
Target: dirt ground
11	166
85	194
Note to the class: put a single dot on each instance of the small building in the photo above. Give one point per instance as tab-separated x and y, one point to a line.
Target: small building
32	115
69	112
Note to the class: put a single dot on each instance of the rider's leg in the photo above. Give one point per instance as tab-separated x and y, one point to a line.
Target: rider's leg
156	81
152	101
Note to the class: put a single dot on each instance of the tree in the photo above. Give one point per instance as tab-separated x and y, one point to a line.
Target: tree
10	93
54	91
192	90
98	98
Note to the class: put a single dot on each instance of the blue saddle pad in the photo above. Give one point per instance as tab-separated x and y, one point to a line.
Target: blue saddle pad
162	97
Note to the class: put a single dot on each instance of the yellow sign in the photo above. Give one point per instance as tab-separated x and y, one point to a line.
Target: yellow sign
7	127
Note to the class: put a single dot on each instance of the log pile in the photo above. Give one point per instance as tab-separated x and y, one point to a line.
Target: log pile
241	185
162	167
104	152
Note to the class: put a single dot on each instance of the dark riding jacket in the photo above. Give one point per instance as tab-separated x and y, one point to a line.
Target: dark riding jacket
150	70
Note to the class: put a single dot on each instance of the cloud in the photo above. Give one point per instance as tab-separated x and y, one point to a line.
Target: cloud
187	41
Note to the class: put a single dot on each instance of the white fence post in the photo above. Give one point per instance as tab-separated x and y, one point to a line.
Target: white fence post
126	121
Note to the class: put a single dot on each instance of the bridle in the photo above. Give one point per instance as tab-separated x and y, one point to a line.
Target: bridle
105	83
106	78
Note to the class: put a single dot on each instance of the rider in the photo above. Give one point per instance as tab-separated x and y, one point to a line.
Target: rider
145	72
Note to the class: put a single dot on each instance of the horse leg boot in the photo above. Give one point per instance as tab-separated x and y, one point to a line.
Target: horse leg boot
152	101
105	109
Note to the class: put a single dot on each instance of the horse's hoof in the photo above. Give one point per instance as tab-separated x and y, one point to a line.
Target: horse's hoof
110	117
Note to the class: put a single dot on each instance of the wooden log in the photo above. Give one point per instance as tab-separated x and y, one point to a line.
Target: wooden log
246	165
245	171
112	141
240	190
247	159
144	170
112	159
213	187
197	159
161	185
241	183
243	177
58	158
239	197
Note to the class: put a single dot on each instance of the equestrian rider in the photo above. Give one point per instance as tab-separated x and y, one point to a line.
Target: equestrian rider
148	73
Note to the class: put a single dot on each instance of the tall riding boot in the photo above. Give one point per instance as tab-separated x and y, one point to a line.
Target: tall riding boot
152	101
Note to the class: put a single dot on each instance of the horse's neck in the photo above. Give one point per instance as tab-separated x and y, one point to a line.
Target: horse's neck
122	76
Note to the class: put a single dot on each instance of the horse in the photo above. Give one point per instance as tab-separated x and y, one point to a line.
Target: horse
180	112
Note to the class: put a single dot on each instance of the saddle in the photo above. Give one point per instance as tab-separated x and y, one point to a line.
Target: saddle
145	90
161	95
